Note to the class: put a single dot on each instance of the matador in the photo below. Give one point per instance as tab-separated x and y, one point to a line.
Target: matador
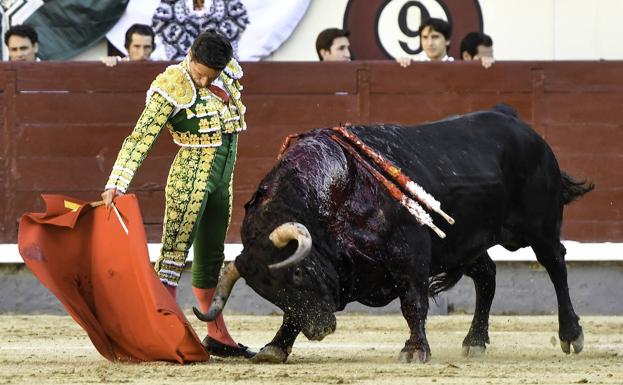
198	101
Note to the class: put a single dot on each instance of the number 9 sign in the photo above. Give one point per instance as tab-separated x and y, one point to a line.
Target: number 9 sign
385	29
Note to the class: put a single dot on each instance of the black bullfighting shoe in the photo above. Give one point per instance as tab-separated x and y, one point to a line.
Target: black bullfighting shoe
220	349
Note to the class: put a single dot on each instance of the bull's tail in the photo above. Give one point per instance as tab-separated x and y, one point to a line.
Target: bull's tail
573	189
444	281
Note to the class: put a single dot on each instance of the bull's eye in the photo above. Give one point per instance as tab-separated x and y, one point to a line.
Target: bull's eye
297	277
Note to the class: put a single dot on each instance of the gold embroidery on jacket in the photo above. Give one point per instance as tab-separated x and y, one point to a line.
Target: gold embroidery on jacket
175	85
136	146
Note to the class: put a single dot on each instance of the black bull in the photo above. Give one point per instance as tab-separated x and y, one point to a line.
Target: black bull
352	242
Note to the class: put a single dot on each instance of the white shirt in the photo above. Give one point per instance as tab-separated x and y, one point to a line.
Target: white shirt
422	57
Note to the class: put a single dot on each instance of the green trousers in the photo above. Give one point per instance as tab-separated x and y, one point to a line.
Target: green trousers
198	212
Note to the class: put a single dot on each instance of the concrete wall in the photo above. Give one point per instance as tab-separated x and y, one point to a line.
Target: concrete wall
522	288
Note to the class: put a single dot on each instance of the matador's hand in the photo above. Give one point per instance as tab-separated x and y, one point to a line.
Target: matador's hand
109	195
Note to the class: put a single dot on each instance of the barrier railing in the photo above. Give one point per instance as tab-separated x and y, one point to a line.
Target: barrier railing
63	124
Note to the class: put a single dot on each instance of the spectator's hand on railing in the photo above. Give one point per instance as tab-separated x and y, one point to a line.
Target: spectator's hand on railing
404	61
487	61
111	61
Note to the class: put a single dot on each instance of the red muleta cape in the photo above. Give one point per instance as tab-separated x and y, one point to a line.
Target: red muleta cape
105	280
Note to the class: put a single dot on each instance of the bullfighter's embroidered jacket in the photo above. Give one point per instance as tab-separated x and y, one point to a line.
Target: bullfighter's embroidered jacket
194	116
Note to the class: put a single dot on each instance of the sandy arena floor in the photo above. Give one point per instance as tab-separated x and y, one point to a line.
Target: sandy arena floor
363	350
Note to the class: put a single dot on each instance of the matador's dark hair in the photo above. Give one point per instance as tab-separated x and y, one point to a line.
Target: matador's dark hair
212	50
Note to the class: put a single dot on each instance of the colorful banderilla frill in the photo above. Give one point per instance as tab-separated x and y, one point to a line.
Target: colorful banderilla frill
417	192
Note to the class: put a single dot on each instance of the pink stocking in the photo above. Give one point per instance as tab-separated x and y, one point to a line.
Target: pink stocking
216	329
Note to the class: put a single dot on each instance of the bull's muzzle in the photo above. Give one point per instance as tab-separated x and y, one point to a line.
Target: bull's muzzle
321	326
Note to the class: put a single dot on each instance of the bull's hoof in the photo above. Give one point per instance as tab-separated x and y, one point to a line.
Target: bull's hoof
270	354
405	357
422	356
578	344
473	351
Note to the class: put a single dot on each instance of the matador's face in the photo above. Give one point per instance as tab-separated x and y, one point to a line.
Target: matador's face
201	74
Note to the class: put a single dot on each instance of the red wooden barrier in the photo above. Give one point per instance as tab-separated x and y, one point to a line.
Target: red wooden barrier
63	123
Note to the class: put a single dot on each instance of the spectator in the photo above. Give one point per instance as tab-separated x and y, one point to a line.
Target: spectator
434	40
22	42
478	46
139	42
332	44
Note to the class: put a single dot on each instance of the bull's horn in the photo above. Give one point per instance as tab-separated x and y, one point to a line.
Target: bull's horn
284	234
221	294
